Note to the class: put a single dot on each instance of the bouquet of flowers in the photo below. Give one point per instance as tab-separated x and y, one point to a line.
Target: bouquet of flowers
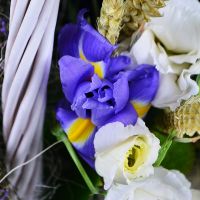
130	102
109	90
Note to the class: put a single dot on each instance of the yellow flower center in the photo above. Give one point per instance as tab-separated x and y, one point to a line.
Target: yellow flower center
136	155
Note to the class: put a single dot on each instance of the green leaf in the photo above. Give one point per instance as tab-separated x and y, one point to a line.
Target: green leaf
165	148
180	156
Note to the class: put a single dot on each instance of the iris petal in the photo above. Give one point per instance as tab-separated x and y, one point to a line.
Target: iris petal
121	93
64	114
68	40
81	135
99	67
73	71
127	116
105	96
141	108
81	40
101	112
144	86
144	81
95	83
116	64
80	99
93	45
80	131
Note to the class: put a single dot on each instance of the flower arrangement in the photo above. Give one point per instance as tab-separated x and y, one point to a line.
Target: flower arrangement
129	110
108	95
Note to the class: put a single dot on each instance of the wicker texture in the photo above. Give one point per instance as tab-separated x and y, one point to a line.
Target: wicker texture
27	65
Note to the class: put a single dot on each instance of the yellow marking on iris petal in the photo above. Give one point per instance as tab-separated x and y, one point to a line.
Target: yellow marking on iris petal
136	155
98	66
82	56
140	108
98	69
80	130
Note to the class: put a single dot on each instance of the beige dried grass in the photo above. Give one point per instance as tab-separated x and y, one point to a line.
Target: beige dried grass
139	11
126	15
110	21
185	120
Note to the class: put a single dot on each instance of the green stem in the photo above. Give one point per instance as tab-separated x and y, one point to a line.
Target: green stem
198	82
62	136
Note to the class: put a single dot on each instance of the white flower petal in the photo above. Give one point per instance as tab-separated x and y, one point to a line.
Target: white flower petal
168	92
176	180
190	57
112	134
179	28
121	192
113	141
172	44
142	49
163	185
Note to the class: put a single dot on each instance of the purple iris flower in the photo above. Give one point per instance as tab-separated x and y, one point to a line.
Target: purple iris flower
3	30
102	100
4	194
98	88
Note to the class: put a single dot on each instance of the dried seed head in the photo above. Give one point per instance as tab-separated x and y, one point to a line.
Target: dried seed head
185	119
110	20
139	11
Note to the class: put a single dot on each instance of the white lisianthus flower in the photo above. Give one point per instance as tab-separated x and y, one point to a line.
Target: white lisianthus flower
172	44
163	185
124	153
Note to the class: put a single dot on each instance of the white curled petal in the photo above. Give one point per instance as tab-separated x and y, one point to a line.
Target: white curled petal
187	85
142	49
107	167
172	88
122	192
163	185
179	28
176	181
168	92
190	57
172	44
147	51
106	140
110	135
